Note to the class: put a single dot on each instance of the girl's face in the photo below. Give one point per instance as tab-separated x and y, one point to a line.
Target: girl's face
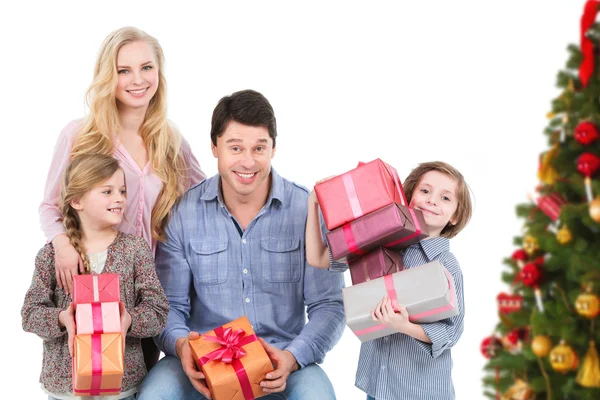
138	75
103	206
435	196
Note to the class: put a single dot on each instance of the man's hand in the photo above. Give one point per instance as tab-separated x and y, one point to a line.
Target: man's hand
66	319
284	363
66	261
184	352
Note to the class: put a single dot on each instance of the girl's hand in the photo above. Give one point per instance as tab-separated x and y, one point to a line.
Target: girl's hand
66	319
125	321
67	263
384	314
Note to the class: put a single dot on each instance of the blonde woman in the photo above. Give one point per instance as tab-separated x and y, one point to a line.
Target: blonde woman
127	119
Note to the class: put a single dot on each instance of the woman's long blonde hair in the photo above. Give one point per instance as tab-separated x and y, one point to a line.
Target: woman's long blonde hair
81	175
162	140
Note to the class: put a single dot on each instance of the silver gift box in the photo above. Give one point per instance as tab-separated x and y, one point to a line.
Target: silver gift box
427	292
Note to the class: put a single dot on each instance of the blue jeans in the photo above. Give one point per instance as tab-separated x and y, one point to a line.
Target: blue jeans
168	381
370	398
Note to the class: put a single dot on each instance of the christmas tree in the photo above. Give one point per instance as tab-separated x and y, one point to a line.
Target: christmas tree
544	346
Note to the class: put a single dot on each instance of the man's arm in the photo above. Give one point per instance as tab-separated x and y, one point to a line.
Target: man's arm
326	319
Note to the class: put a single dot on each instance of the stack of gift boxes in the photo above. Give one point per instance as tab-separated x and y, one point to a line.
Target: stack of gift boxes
98	353
368	218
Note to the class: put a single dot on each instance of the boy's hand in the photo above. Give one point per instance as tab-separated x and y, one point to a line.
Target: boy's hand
312	198
384	314
66	319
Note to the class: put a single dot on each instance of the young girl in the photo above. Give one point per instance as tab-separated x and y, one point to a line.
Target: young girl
416	362
127	119
92	204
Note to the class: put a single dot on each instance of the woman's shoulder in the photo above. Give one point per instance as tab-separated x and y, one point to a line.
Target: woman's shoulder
70	131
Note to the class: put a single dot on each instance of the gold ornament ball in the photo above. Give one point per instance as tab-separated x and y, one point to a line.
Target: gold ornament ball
563	358
541	345
595	209
587	305
530	244
564	236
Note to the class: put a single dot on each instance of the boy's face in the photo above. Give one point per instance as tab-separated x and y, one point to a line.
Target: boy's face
435	196
244	160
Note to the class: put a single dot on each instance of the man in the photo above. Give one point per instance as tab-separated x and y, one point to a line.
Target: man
235	246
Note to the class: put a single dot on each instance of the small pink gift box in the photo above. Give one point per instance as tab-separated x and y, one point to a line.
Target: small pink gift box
100	288
98	318
355	193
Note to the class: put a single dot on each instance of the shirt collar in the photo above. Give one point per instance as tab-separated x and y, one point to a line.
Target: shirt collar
434	247
277	189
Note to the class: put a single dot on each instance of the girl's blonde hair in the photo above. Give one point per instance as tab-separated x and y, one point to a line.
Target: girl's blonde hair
162	140
464	208
81	175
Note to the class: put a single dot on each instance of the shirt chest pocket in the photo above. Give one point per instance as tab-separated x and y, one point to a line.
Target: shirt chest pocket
281	259
208	261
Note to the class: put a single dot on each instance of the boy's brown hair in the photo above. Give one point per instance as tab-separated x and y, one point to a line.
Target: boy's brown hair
464	207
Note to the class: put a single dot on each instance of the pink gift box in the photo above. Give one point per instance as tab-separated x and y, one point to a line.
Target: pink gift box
375	264
97	318
358	192
96	288
393	226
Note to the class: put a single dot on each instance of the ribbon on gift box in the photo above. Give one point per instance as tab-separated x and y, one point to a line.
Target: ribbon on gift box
230	352
391	292
357	211
351	240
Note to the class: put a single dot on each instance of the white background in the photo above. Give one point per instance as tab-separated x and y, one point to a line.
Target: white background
467	82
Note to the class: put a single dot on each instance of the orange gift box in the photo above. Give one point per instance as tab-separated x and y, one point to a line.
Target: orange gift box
98	364
232	360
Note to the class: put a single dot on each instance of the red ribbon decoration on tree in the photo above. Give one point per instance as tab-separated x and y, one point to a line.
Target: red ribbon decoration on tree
230	353
586	69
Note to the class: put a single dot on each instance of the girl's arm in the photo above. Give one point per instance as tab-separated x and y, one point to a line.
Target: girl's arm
40	313
317	253
149	316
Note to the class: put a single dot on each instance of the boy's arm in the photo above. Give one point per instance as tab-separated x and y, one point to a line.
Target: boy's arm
317	253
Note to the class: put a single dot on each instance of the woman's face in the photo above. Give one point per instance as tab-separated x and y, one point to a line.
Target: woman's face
138	75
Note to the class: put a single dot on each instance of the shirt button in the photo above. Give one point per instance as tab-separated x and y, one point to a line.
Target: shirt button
244	241
247	300
245	271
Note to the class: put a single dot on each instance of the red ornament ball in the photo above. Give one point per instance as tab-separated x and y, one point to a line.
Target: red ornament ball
588	164
490	346
531	274
519	255
586	133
